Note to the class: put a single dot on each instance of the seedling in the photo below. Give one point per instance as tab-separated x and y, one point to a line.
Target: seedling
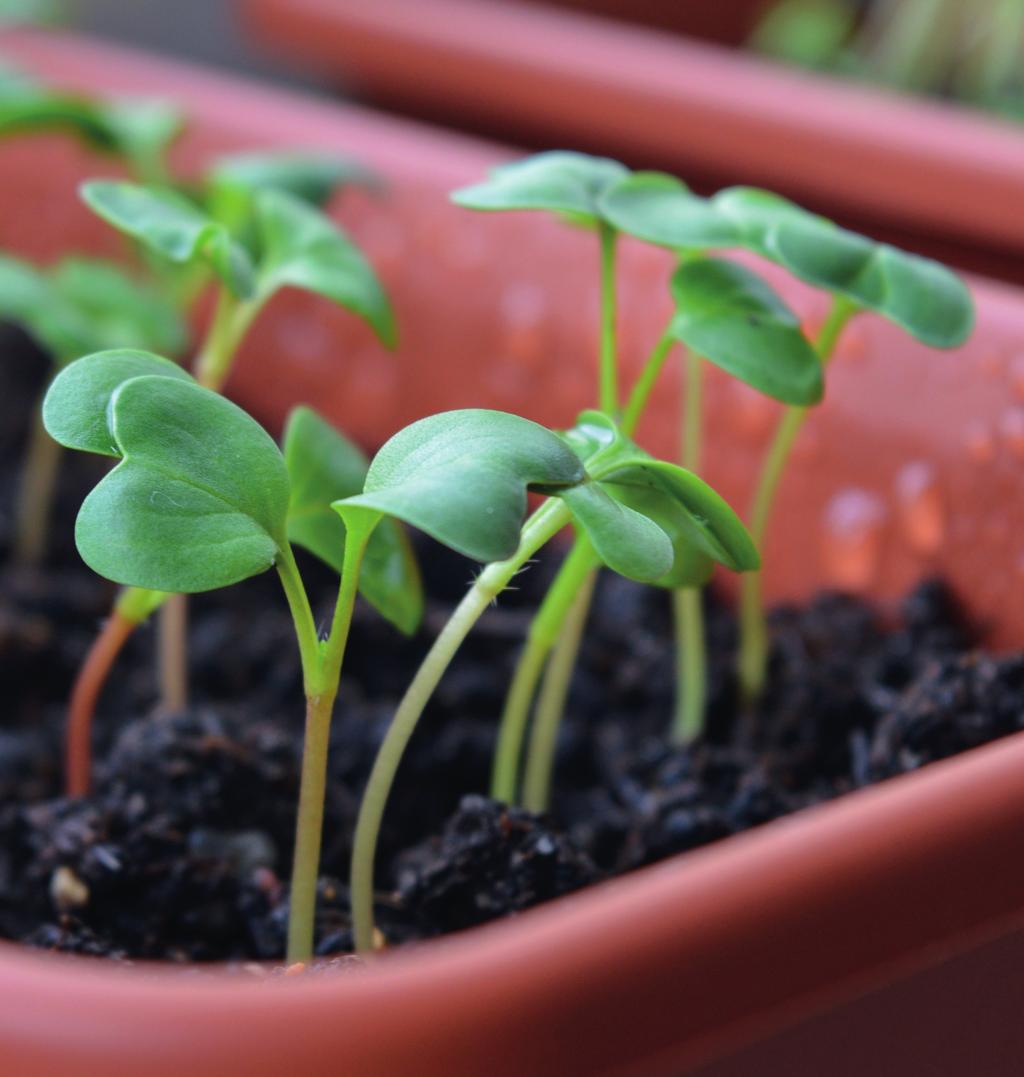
79	305
202	498
919	295
296	246
138	132
462	477
724	311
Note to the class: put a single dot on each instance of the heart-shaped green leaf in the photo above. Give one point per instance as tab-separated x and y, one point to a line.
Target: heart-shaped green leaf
86	305
142	130
309	176
305	249
171	226
199	500
923	297
29	299
27	107
462	477
661	209
730	316
628	542
561	181
77	404
753	213
691	565
138	130
717	530
697	522
323	467
120	311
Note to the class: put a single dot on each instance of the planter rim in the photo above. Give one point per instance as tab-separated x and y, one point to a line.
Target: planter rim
624	86
802	874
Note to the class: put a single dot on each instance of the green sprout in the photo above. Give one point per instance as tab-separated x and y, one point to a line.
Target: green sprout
921	296
462	477
202	498
296	246
138	132
727	314
77	306
724	312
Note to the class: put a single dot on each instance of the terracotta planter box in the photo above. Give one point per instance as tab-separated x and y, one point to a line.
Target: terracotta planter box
895	166
877	934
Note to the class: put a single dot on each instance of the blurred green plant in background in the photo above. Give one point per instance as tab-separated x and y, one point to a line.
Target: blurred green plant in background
965	50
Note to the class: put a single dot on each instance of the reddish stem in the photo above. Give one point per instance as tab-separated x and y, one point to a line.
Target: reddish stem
88	684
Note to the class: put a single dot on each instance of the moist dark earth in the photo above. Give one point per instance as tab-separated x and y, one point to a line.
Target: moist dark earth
182	853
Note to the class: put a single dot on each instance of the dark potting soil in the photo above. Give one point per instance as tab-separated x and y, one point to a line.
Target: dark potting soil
183	851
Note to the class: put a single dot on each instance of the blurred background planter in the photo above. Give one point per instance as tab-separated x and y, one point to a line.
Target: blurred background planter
881	933
536	75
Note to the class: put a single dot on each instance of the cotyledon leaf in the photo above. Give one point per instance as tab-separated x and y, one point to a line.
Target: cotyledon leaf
199	500
323	467
462	477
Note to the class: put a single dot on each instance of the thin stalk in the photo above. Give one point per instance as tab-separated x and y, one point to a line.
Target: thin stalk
554	610
645	383
35	494
302	617
691	665
687	605
309	827
231	319
753	656
546	522
609	378
132	608
543	633
321	690
540	758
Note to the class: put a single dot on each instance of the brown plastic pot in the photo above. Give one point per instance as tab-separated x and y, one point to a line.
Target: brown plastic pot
895	166
879	934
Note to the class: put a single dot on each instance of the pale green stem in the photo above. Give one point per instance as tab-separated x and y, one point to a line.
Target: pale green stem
309	823
753	656
645	383
547	521
543	633
555	608
321	674
231	318
691	665
609	378
302	616
35	494
540	757
687	604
